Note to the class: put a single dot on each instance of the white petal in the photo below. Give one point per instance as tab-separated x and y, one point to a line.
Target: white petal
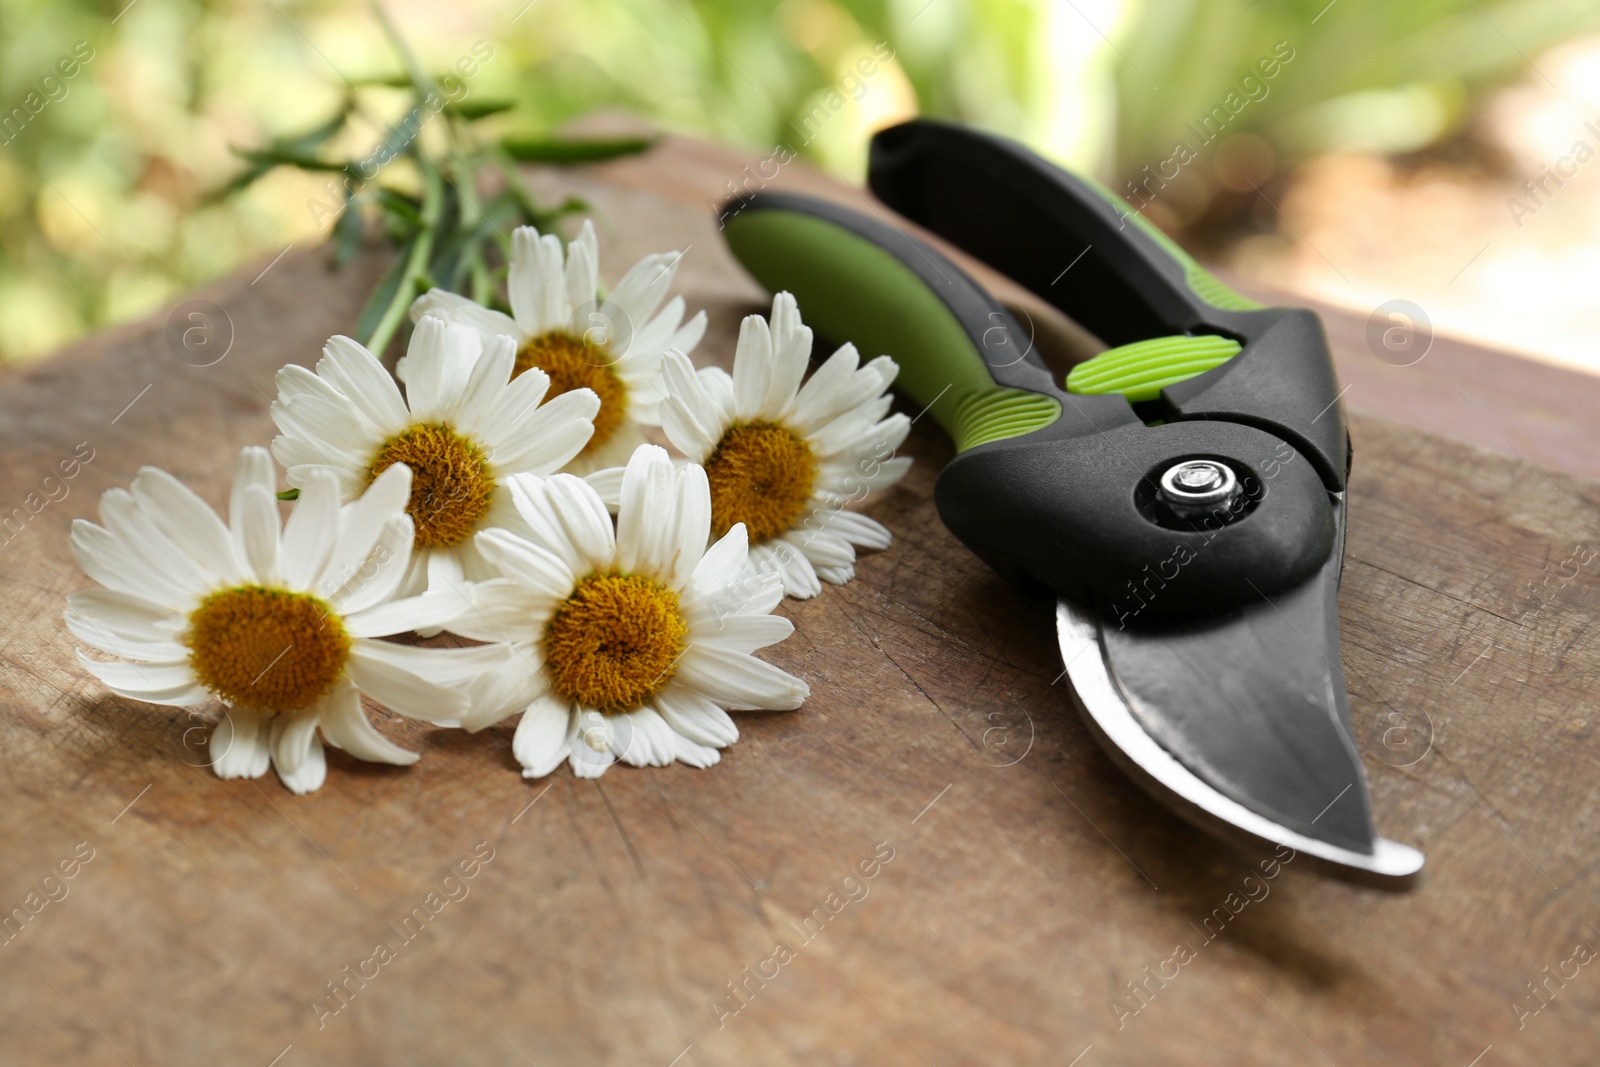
862	432
752	367
759	587
173	684
239	745
583	266
292	737
533	567
689	527
379	577
346	726
141	539
646	511
696	717
356	373
723	562
859	530
589	740
452	307
652	338
642	738
502	678
313	411
445	571
310	533
439	362
822	547
300	458
502	610
148	644
827	392
735	680
436	608
799	576
743	633
566	517
695	755
392	678
516	402
607	482
297	754
540	743
718	384
106	558
487	382
590	244
688	336
544	439
188	522
367	540
692	421
612	452
837	575
256	533
791	354
536	285
641	290
254	467
125	615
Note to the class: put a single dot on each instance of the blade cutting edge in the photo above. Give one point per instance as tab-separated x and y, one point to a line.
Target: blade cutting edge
1106	711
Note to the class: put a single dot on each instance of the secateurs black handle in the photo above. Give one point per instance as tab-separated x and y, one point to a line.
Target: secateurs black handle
1069	485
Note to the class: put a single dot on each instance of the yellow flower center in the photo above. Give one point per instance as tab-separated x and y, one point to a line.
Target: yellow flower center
267	648
615	642
451	484
574	363
762	475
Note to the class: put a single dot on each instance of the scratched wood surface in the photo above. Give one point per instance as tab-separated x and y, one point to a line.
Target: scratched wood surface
1017	881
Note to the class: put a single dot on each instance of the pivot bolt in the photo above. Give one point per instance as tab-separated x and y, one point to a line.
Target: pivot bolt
1197	483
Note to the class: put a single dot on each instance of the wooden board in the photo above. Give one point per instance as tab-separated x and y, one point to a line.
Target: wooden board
1018	881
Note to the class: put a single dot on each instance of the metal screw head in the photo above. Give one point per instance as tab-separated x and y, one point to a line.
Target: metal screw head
1198	483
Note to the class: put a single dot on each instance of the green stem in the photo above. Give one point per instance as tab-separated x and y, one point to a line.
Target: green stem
417	263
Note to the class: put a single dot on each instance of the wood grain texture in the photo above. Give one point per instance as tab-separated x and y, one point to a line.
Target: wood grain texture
1028	880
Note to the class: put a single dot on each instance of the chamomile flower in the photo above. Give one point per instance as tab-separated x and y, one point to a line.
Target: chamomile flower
784	458
277	623
463	428
643	635
562	327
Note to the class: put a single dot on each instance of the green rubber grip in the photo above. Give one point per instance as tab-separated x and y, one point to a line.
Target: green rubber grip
1201	282
1139	371
852	289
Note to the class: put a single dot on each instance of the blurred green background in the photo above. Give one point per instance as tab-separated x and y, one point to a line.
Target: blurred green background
104	174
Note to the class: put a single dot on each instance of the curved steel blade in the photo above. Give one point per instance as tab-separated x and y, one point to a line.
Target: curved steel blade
1238	722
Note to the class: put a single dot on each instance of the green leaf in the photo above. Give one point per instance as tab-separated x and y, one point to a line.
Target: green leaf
377	305
574	150
280	155
303	144
289	494
347	233
472	110
386	81
400	205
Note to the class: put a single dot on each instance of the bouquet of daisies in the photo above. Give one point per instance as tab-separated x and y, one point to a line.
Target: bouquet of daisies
501	486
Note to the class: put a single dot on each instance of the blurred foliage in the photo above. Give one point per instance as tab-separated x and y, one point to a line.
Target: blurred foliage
104	212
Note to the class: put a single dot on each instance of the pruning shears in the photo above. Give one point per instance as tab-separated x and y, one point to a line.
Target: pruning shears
1183	493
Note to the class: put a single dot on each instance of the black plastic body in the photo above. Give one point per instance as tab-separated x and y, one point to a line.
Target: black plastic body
1031	220
1060	506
